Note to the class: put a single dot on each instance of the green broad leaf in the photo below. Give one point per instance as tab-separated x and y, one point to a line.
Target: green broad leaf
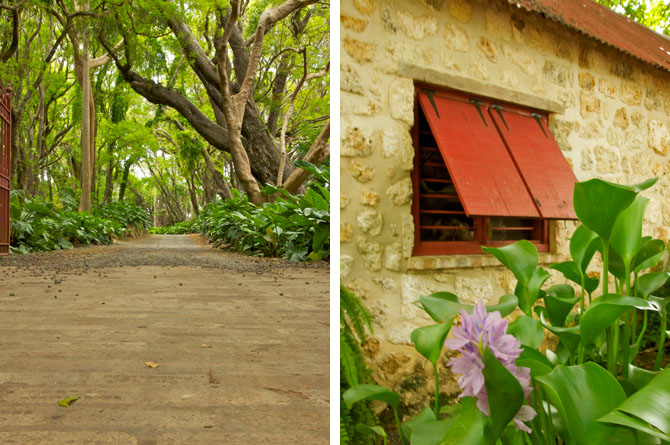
442	306
626	237
616	265
583	246
504	393
605	310
533	354
521	258
372	430
505	305
559	301
640	377
582	394
370	392
650	282
569	336
408	428
428	340
647	410
527	330
649	255
432	432
535	360
66	402
569	269
467	428
597	204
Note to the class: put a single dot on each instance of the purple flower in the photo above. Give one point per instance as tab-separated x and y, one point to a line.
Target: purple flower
476	332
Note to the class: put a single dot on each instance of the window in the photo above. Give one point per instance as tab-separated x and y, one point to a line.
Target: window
485	173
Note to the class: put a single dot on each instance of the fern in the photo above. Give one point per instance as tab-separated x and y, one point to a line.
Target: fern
355	324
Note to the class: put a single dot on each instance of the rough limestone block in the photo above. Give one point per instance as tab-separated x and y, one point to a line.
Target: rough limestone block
393	257
456	38
652	101
397	142
400	193
346	262
369	198
355	143
401	99
366	7
460	10
353	23
346	232
350	80
407	235
416	27
361	173
607	159
588	103
488	49
607	88
370	222
359	50
371	253
586	81
658	138
620	118
630	94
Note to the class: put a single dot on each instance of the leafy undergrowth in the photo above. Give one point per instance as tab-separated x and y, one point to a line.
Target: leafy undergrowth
292	227
36	226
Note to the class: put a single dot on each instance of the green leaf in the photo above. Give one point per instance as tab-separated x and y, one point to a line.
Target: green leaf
504	393
647	410
583	246
370	392
465	429
442	306
559	301
408	428
597	204
527	330
649	255
626	237
650	282
582	394
371	430
505	305
569	336
605	310
66	402
521	258
428	340
640	377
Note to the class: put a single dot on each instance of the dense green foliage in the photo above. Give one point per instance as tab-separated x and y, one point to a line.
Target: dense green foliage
36	226
355	323
589	389
293	227
654	14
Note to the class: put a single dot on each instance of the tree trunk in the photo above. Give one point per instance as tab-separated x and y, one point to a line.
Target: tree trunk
223	189
124	179
85	201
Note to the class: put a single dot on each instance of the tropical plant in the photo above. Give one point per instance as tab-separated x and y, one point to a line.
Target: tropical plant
515	394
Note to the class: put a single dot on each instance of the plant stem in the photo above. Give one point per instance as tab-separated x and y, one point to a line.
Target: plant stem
611	365
437	393
661	342
397	422
625	356
634	311
644	328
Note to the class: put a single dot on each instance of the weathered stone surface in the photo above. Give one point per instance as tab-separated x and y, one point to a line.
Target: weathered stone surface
359	50
607	159
607	88
366	7
588	103
353	23
400	193
386	283
370	222
407	235
345	265
592	129
470	289
586	81
620	118
587	160
368	108
355	143
557	74
561	129
488	49
398	143
393	257
400	334
616	137
346	232
658	138
344	201
478	70
401	99
652	101
636	118
371	253
630	94
360	288
498	24
360	172
417	28
350	80
369	198
460	10
509	78
520	57
456	38
537	39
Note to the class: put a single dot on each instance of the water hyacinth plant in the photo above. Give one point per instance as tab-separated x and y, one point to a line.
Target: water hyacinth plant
585	390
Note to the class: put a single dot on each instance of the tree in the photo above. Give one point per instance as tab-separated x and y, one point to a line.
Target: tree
654	14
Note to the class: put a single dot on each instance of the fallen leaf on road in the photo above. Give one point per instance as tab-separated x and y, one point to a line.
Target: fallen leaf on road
152	364
67	401
205	345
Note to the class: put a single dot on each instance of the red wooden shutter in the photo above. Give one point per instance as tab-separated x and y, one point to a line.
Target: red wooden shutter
544	169
485	177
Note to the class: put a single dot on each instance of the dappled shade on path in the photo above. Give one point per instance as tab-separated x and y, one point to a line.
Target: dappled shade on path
241	344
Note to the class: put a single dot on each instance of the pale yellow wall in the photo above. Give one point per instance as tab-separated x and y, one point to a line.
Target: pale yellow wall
612	122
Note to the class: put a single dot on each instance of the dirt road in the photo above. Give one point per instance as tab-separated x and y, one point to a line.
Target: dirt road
241	344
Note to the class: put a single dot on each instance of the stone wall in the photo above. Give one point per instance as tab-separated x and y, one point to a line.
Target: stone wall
609	116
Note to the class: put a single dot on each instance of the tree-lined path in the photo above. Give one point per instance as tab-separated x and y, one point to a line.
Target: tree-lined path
241	343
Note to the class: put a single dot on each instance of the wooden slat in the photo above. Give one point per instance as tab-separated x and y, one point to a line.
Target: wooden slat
545	171
443	181
443	212
446	227
486	180
506	229
435	195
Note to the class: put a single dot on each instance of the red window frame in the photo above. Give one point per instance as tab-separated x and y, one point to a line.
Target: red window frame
481	225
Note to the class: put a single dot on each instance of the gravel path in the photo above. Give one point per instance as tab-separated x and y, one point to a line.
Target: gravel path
241	343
